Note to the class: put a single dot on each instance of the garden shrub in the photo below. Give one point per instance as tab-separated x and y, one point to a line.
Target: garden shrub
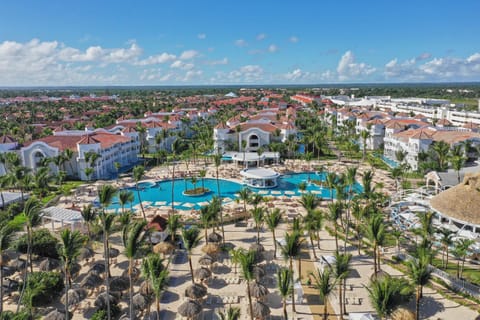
44	244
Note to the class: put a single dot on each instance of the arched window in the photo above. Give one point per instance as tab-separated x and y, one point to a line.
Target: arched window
253	141
38	157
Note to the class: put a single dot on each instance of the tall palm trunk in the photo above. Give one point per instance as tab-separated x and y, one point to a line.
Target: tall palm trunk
107	270
173	185
274	245
221	211
375	258
417	303
157	305
336	235
340	295
191	268
1	283
325	310
250	308
313	247
284	306
130	289
293	285
67	284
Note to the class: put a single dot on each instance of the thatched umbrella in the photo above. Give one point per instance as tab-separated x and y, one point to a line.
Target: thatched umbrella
75	269
257	247
202	273
211	249
75	296
466	210
206	260
214	237
258	272
135	273
119	284
55	315
8	271
260	310
113	252
140	302
196	291
10	284
98	267
189	309
146	288
91	281
49	264
101	300
86	253
378	275
164	248
257	290
5	259
18	263
403	314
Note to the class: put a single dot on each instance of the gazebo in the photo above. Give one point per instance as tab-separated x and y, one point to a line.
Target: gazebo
260	178
69	217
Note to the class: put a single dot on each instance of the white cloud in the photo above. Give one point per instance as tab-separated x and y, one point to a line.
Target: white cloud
294	75
202	36
241	43
261	36
157	59
272	48
293	39
223	61
349	69
424	56
436	69
178	64
188	54
192	75
244	74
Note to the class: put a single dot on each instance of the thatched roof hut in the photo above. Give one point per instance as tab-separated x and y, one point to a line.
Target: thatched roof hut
460	202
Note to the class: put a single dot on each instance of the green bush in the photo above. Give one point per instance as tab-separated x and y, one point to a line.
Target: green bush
101	314
42	288
44	244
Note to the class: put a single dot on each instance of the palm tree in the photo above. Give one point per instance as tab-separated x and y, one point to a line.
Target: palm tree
247	262
217	159
155	272
191	239
420	273
387	294
232	313
457	164
364	134
309	201
235	257
312	223
138	173
334	213
175	147
272	220
330	181
375	232
105	196
202	173
284	285
341	269
7	232
173	224
70	245
125	197
325	283
258	215
290	251
133	240
31	215
368	189
244	195
350	181
441	150
89	215
396	173
206	217
461	248
446	241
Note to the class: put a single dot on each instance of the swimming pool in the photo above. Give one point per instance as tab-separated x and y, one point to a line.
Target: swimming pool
391	163
160	193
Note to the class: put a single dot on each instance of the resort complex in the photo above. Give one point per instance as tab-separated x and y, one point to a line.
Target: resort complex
244	204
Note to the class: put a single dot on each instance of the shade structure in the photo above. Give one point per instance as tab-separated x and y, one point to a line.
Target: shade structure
8	271
101	300
146	288
140	302
164	247
55	315
75	269
86	253
119	284
195	291
4	259
260	310
91	281
135	273
18	263
467	210
206	260
214	237
158	223
98	267
258	273
211	249
257	290
403	314
75	296
202	273
189	308
113	252
257	247
49	264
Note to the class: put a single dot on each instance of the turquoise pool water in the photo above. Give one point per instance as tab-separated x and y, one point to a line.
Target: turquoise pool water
160	194
391	163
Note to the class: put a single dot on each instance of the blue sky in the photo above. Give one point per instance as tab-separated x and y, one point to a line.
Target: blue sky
237	42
